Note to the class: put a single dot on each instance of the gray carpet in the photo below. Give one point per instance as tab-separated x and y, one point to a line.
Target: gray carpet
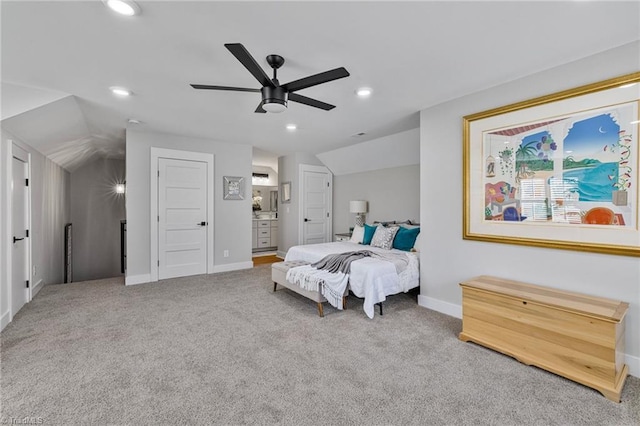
225	349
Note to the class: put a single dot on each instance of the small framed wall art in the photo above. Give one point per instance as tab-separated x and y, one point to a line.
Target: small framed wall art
286	192
233	188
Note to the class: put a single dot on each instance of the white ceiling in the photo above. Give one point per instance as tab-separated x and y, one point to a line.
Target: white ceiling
413	55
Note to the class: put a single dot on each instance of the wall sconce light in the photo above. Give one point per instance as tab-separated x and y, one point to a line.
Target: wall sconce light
120	188
358	207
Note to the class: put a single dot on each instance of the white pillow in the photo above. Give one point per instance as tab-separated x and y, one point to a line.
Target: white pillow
358	234
383	237
416	245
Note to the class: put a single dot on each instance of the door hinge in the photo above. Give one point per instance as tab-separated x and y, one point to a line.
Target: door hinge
158	263
26	233
158	218
27	283
158	173
26	182
327	214
327	184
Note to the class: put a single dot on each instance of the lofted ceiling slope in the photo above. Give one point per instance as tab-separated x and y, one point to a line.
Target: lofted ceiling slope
412	54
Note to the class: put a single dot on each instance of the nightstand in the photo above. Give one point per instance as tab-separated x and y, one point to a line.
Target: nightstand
342	237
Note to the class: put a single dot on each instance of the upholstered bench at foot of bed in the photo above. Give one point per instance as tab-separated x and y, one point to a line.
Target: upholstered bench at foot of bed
279	276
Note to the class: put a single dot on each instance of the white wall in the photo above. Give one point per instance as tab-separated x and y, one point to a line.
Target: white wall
447	259
288	213
399	149
232	217
96	212
49	213
392	194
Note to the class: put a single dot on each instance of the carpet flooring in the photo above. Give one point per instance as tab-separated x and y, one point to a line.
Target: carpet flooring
225	349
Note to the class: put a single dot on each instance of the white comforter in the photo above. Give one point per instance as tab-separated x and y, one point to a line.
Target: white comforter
370	278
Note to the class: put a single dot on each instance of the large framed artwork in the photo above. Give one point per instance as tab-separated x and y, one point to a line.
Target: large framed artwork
559	171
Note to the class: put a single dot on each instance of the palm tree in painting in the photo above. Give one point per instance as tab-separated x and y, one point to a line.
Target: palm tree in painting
527	152
524	153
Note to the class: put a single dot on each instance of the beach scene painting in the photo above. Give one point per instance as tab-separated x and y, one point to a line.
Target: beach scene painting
568	170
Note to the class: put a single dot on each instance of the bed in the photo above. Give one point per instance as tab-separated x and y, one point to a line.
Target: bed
370	278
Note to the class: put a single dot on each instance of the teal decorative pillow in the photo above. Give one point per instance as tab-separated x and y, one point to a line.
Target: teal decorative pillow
405	238
368	233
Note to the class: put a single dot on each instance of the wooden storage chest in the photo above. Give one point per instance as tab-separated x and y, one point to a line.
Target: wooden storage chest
573	335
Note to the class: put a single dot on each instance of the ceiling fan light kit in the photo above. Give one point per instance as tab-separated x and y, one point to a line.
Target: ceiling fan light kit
275	97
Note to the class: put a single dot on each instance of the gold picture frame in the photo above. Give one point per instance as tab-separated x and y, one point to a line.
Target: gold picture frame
558	171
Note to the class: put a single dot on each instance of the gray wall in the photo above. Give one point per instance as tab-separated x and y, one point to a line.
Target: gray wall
49	213
232	228
392	194
288	213
96	212
446	259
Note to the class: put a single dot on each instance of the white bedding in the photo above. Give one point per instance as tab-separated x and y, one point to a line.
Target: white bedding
371	278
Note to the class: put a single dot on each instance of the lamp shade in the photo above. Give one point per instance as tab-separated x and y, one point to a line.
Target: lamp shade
358	206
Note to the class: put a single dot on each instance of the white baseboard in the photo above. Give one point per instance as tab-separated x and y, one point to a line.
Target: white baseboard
137	279
281	254
438	305
232	267
4	320
37	288
633	362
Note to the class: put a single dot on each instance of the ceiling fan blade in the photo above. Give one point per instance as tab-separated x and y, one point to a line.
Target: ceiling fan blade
235	89
311	102
249	63
259	109
313	80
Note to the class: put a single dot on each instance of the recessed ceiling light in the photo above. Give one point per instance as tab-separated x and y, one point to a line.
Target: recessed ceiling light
291	127
363	92
123	7
120	91
624	86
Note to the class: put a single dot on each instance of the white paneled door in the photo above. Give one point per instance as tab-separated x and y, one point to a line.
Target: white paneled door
19	220
316	206
182	218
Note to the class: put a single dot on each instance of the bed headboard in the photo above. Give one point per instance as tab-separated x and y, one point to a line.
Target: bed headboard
396	222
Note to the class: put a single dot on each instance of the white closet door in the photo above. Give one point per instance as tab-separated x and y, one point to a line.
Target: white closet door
315	207
182	218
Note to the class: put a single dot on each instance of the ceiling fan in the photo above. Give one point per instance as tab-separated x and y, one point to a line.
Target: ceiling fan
275	96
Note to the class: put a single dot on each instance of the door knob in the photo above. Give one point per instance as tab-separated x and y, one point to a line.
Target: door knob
202	224
17	239
306	220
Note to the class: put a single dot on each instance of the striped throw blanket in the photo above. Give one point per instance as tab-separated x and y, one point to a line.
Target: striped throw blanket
329	276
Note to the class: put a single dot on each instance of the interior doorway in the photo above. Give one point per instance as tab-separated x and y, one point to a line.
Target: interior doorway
182	219
316	191
20	224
